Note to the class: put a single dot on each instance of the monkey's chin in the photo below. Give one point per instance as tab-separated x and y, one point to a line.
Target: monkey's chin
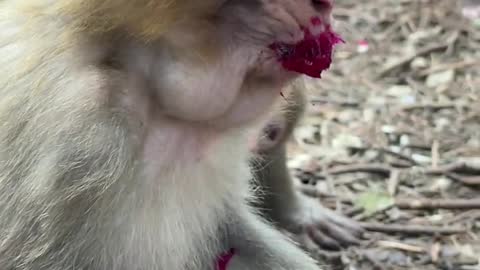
269	69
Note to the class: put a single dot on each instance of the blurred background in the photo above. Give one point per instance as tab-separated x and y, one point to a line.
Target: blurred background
392	133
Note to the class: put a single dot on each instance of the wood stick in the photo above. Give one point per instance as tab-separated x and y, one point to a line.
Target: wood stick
412	229
418	204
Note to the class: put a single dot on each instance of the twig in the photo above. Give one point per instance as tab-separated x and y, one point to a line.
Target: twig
454	171
386	171
466	180
435	251
399	155
365	216
354	211
401	246
393	182
410	229
422	147
381	169
339	102
435	154
471	215
315	193
431	106
438	204
385	71
387	152
458	65
459	167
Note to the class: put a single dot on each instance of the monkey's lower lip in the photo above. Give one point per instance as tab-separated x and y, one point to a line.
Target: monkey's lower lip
310	56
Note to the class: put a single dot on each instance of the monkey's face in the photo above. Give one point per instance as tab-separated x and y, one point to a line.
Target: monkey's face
251	62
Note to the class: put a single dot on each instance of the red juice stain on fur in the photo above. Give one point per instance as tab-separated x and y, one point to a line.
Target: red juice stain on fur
224	259
316	21
312	55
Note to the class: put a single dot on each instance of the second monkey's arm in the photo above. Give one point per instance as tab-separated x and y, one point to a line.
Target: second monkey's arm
282	203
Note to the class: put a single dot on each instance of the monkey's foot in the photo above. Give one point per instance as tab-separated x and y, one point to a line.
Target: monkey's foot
314	226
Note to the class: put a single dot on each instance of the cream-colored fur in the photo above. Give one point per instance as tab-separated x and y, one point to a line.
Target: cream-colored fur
123	132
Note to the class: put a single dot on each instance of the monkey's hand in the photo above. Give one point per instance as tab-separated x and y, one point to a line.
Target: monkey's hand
314	225
260	246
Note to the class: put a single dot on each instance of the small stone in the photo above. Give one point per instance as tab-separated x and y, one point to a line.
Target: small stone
422	159
388	129
404	140
399	91
440	78
440	184
346	141
419	63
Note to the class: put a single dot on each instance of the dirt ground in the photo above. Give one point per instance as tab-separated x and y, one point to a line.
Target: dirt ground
392	134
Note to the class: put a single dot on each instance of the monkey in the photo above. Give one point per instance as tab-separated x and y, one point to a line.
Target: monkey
281	202
124	132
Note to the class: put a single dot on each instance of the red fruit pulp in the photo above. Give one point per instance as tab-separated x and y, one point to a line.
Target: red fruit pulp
311	56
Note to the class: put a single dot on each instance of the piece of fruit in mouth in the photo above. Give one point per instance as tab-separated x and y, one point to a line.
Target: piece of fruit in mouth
311	56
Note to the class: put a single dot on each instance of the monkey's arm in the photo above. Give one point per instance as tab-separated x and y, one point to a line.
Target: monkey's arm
295	212
279	198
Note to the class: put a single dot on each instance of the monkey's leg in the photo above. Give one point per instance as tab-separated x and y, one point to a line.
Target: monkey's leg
295	212
259	246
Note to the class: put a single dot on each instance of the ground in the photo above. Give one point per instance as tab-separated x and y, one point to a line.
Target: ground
392	134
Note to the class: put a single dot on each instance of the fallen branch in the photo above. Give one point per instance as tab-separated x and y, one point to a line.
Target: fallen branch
406	229
381	169
432	106
456	171
466	180
448	66
459	167
385	71
401	246
416	204
338	102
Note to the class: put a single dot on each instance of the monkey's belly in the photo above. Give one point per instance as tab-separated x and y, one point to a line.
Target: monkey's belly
182	196
179	214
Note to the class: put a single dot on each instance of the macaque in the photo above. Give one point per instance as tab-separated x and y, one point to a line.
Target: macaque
303	217
124	132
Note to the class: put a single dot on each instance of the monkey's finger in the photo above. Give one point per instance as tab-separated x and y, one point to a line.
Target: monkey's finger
351	225
304	241
294	228
323	240
343	236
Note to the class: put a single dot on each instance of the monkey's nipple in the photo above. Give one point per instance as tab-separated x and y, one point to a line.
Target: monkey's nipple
311	56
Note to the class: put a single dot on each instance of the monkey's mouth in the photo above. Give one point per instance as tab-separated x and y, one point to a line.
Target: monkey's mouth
311	56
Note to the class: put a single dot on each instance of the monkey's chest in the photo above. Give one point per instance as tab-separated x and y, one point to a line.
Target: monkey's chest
180	228
182	208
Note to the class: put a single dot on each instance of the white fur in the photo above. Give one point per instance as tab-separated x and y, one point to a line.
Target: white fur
147	162
180	204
